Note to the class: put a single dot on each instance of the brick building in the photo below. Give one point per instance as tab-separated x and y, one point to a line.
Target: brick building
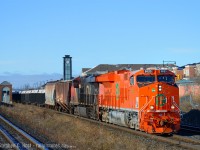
189	71
198	69
188	87
6	92
179	72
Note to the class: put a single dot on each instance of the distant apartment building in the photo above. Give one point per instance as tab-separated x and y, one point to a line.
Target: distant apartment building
198	69
189	71
179	72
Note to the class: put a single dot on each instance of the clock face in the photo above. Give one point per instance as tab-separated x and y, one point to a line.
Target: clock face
67	61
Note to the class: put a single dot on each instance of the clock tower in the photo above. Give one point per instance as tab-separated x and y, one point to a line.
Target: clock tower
67	67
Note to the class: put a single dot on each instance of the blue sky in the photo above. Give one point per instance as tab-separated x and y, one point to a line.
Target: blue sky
36	34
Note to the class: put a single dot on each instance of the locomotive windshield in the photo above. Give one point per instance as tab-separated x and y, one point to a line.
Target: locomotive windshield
145	80
166	78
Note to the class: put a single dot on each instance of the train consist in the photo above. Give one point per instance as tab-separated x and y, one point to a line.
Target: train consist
146	100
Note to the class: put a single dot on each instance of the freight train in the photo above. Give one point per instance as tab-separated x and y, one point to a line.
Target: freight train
146	100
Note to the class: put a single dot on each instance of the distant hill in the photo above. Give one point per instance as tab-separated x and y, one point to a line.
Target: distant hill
20	81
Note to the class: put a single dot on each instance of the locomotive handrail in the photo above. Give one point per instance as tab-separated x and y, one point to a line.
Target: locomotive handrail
177	107
145	105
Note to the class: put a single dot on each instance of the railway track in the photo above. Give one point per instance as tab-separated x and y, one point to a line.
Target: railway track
189	128
10	141
174	139
17	138
177	140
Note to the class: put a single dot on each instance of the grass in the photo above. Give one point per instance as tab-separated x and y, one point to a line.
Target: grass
71	131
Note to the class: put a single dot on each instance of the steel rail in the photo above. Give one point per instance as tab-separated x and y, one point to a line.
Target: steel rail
9	138
13	142
190	128
38	144
187	140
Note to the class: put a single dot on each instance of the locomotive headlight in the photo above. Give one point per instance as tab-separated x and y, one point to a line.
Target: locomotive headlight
172	107
151	107
159	88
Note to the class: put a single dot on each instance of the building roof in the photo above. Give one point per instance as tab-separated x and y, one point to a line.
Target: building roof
85	69
104	68
5	83
180	68
185	81
193	64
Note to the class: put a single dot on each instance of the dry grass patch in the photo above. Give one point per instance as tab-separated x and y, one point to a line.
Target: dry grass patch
52	127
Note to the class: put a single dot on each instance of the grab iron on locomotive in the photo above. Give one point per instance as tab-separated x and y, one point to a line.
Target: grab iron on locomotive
146	100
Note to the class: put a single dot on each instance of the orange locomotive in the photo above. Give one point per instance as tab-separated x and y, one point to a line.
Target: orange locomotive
146	100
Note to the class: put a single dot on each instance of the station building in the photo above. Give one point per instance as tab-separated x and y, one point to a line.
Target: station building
6	92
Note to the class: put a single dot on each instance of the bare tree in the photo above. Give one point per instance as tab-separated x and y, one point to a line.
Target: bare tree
197	79
27	86
197	91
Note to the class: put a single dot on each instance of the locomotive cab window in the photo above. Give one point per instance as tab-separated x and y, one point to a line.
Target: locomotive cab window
145	80
132	80
166	78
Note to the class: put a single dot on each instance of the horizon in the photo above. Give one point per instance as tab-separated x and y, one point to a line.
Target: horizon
52	73
19	81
